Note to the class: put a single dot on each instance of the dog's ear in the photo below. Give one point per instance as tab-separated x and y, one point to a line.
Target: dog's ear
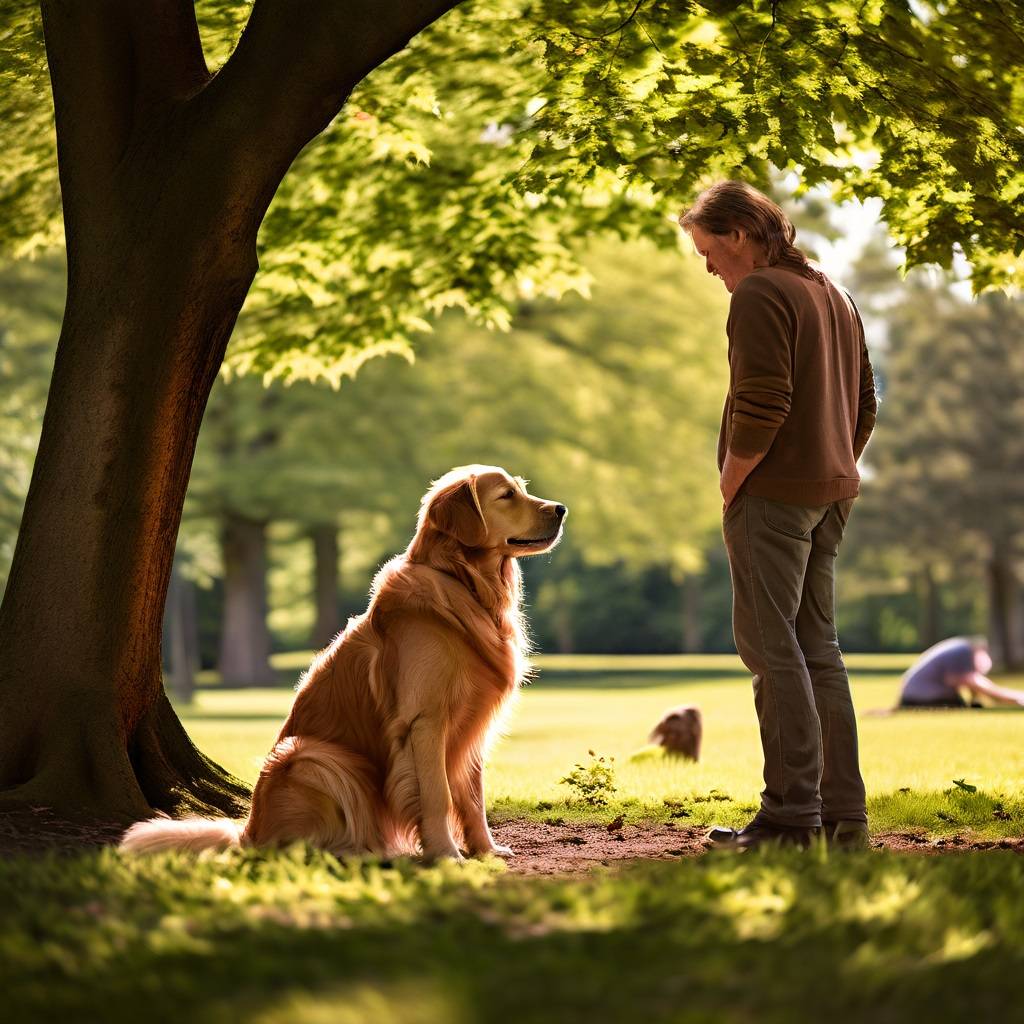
457	512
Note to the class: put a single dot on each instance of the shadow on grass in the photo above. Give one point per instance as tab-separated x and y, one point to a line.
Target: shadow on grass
187	711
302	939
596	671
631	679
626	679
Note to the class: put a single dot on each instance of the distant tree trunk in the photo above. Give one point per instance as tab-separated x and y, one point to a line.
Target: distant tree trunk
930	610
326	582
1002	588
1017	627
182	635
691	615
565	638
245	639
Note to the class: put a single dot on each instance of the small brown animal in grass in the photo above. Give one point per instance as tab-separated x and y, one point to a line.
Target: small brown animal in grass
680	731
383	750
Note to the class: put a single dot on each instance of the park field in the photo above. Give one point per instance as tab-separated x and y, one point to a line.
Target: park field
297	936
608	705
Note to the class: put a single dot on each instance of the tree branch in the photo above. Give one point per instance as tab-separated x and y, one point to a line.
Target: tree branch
618	28
294	67
168	53
111	62
88	52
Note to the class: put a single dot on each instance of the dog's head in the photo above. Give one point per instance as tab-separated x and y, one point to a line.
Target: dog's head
484	507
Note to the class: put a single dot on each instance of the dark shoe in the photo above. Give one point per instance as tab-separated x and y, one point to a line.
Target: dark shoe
846	835
758	834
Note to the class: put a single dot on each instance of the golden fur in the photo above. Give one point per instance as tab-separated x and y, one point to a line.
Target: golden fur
383	749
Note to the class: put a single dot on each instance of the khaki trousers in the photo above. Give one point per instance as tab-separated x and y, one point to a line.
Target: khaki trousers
782	562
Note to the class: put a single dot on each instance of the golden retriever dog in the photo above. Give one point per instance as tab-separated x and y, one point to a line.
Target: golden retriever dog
384	747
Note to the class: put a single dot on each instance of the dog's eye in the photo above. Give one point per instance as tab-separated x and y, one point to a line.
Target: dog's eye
508	494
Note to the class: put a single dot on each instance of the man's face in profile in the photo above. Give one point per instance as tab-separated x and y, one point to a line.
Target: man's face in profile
729	257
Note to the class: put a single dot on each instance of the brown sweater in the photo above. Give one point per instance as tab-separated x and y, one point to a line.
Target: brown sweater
800	386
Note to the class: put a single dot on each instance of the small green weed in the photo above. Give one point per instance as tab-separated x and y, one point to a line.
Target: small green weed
594	784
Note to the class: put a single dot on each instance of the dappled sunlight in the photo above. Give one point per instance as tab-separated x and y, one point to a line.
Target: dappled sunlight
759	910
410	1001
961	944
299	937
883	904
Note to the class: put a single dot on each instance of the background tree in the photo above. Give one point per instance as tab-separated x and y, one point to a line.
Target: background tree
302	454
951	430
31	293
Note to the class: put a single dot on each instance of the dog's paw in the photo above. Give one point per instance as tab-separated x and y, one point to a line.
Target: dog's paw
495	850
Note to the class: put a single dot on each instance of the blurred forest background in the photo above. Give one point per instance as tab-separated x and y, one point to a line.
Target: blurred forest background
608	400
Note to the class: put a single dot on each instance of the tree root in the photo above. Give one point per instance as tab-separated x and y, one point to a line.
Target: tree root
175	776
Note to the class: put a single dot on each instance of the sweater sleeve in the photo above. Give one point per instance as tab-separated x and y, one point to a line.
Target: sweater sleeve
761	333
868	402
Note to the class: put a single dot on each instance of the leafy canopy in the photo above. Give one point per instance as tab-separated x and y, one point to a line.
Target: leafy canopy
460	170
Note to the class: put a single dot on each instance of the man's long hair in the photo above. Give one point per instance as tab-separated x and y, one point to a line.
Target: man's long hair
730	205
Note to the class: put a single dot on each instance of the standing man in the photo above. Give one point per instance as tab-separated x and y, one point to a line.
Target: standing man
800	409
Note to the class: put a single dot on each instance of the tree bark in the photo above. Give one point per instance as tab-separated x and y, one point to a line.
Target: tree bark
165	177
326	583
245	639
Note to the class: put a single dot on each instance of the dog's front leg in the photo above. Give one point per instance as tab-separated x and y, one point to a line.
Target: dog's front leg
468	792
428	750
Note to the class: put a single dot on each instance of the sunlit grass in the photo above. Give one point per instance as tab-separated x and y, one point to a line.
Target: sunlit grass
608	705
296	937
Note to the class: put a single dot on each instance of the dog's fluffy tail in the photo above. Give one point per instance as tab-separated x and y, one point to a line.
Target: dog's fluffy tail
192	834
321	792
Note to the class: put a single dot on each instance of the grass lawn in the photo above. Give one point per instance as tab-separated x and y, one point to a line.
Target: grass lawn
608	705
297	937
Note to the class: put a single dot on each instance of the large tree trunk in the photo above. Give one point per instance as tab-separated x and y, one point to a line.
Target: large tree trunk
245	639
326	583
83	719
165	177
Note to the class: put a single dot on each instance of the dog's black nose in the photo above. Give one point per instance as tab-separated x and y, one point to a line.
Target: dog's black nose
561	511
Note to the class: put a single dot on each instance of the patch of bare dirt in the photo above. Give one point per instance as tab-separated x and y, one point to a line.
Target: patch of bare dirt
911	842
541	848
555	849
